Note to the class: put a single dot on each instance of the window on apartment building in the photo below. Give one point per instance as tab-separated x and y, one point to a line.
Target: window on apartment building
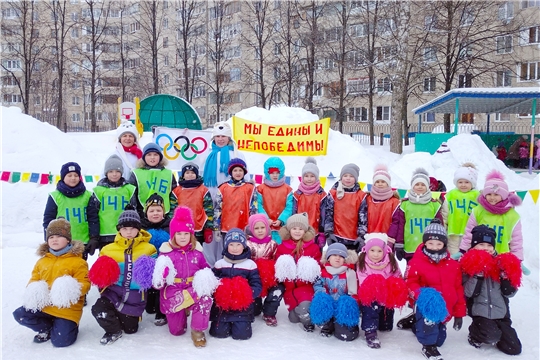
529	35
74	32
299	92
165	23
384	85
199	91
277	73
8	81
317	90
166	79
504	44
529	3
37	100
136	26
465	52
506	10
12	64
529	71
383	113
75	100
165	42
465	81
75	68
357	58
10	13
386	26
75	117
429	84
428	117
504	78
430	54
358	114
297	45
431	23
166	60
236	74
201	111
502	117
358	86
332	34
75	16
358	30
277	49
467	17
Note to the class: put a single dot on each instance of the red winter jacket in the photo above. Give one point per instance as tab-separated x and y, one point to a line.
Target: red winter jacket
444	276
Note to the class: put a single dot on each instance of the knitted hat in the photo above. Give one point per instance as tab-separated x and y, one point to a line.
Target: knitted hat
495	184
420	175
70	167
190	166
381	173
127	127
129	218
298	220
60	227
152	147
222	128
273	164
435	231
113	163
237	162
154	200
336	249
311	167
235	235
182	221
375	239
467	172
483	234
351	169
255	218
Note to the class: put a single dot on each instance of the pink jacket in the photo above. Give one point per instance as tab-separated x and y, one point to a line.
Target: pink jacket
372	268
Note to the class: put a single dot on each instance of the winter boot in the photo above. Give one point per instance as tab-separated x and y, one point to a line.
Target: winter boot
473	342
270	320
308	327
42	337
199	340
407	322
327	330
372	339
431	352
160	320
109	338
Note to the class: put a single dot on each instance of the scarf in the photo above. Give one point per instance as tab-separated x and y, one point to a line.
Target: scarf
381	194
61	251
71	192
380	265
264	240
133	149
274	184
419	199
498	209
189	184
309	189
352	283
211	165
435	256
340	190
235	259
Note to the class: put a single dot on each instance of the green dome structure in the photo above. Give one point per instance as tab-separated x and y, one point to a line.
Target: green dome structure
168	110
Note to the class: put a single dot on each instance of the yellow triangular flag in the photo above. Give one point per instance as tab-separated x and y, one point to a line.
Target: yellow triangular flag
25	177
322	179
436	195
362	185
534	195
57	179
96	178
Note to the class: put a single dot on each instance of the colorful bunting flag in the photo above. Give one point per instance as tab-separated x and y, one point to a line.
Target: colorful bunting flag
362	185
402	193
34	177
5	175
97	177
521	194
57	178
258	179
87	178
534	195
436	195
288	180
369	186
44	179
25	177
323	181
15	177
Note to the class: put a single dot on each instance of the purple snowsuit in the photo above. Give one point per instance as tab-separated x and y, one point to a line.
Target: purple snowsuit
177	298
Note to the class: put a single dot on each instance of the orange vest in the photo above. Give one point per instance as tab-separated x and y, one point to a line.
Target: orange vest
380	214
236	201
310	204
274	200
346	214
193	198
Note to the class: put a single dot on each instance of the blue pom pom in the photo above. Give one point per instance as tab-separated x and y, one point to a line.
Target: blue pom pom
143	269
347	311
321	309
158	237
431	305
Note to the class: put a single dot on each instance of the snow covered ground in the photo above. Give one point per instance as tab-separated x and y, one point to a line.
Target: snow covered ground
31	146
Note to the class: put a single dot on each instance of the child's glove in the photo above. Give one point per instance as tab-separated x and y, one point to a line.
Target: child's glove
92	245
207	234
400	253
526	271
217	237
65	291
330	237
458	323
457	255
321	240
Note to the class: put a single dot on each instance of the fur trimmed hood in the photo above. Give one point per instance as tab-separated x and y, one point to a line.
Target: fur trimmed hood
77	249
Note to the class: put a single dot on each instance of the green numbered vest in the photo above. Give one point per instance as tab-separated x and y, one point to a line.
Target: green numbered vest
502	224
460	206
74	210
417	217
113	201
151	181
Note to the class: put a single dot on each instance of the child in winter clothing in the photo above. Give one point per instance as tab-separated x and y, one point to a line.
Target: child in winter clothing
434	282
313	200
127	147
71	201
274	197
297	267
233	309
376	259
182	261
381	202
123	295
459	203
111	195
192	193
537	156
523	155
235	201
501	152
413	216
489	280
151	176
349	221
337	285
157	225
54	297
263	252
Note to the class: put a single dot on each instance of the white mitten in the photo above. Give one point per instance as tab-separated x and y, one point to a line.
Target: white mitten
36	296
204	282
65	291
285	268
308	269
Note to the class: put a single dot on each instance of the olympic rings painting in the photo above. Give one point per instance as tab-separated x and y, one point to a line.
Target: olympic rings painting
182	145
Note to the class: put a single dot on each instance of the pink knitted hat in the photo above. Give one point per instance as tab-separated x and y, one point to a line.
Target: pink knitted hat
375	239
182	221
381	173
495	184
255	218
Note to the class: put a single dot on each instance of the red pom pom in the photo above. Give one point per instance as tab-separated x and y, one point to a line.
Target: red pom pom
267	272
104	272
479	261
373	289
233	294
511	266
397	292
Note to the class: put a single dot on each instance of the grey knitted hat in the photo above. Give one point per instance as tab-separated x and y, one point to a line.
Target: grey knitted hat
420	175
113	163
298	220
435	231
60	227
351	169
129	218
336	249
311	167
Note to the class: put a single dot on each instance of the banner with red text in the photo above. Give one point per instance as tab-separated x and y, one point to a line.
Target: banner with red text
309	139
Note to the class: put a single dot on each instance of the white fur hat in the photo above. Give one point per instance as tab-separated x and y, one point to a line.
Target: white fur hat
127	127
222	128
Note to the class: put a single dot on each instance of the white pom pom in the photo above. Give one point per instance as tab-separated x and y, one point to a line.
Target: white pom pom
65	291
158	278
204	282
307	269
36	296
285	268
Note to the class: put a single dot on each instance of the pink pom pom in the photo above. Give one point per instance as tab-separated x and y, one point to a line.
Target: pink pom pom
104	272
494	175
